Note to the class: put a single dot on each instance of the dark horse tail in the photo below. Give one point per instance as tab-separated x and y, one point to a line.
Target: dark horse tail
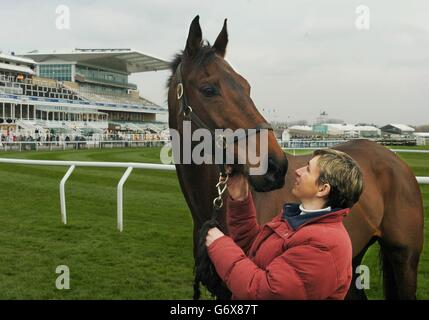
205	272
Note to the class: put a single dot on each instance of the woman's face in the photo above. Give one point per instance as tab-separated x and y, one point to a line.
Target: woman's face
306	186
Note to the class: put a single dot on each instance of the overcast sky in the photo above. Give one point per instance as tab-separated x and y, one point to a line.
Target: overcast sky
300	57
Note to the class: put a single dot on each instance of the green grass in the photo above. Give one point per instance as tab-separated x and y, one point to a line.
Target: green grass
150	259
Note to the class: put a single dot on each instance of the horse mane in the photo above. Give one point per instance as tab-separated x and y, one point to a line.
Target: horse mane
202	56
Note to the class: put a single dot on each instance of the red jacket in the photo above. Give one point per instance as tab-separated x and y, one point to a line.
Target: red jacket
291	257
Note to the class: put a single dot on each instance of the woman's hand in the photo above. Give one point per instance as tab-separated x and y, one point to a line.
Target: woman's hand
212	235
238	187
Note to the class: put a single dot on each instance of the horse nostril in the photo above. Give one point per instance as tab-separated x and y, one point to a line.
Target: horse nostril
276	171
285	167
273	167
273	170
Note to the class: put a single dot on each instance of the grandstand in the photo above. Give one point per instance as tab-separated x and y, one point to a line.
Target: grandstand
76	92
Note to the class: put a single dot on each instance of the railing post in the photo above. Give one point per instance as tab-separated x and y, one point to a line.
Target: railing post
120	198
63	194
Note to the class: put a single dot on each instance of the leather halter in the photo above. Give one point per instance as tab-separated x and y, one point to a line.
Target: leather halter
189	114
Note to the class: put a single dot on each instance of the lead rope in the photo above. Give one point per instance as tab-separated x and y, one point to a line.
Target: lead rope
205	271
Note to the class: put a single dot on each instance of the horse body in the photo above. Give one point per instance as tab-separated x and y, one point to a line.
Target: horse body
389	211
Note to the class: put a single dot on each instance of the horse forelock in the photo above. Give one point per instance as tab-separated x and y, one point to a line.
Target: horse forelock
202	56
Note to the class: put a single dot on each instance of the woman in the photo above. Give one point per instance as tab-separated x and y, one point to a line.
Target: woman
304	252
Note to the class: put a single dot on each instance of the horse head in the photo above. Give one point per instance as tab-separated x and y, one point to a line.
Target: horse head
219	98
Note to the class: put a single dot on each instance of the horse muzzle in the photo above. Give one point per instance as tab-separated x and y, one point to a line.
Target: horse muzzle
274	178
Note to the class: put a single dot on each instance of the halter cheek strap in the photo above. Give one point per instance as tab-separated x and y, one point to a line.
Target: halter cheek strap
188	114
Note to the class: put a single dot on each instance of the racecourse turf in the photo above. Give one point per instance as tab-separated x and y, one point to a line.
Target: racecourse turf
152	257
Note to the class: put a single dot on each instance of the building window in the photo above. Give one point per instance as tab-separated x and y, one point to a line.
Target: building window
101	75
60	72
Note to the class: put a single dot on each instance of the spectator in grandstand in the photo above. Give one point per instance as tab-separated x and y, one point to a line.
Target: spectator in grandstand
305	252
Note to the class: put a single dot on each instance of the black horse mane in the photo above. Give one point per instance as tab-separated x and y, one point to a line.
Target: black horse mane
203	54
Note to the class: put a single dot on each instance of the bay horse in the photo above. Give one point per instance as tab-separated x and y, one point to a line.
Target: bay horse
390	209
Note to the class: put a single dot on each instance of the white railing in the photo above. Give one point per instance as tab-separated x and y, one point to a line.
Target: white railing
423	180
129	165
409	151
393	150
73	164
66	145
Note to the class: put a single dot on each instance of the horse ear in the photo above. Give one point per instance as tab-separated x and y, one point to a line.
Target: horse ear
221	41
195	37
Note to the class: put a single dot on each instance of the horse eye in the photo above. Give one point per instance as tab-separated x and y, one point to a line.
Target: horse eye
209	91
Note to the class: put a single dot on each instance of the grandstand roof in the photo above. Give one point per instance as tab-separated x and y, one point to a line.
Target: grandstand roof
302	128
13	58
342	127
402	127
351	127
422	134
125	60
11	67
367	128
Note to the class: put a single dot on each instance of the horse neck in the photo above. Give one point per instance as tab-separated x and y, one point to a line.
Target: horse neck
198	186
